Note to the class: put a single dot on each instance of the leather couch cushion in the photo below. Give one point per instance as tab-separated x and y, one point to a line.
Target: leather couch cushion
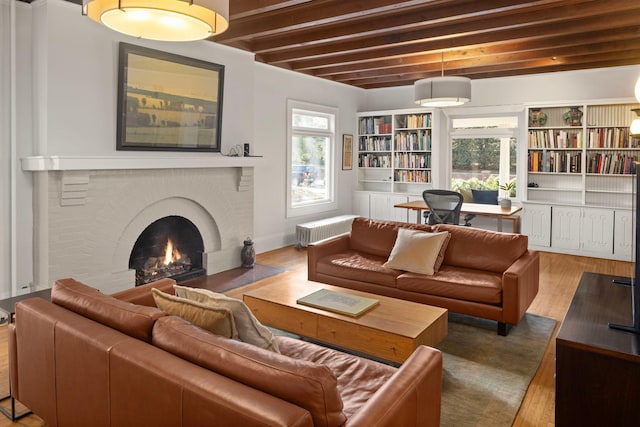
308	385
358	266
218	320
482	249
250	330
141	295
134	320
358	378
378	237
457	283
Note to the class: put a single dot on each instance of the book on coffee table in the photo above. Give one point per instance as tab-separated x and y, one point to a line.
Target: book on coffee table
338	302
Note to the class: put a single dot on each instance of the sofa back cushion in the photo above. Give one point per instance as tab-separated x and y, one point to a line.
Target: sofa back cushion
482	249
308	385
134	320
378	237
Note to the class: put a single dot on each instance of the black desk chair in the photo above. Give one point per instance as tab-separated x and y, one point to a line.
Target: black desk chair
444	206
485	197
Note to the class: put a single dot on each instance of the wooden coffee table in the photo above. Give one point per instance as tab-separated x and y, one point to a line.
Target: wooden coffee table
391	330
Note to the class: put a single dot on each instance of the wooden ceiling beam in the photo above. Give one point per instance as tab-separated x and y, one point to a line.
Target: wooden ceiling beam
510	60
245	8
588	40
456	35
427	15
314	13
465	42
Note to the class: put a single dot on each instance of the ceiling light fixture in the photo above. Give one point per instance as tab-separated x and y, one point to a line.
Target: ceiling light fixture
165	20
442	91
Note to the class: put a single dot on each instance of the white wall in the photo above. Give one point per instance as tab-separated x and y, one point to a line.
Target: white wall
569	86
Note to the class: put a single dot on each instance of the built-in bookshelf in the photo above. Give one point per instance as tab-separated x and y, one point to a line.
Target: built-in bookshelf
394	151
581	154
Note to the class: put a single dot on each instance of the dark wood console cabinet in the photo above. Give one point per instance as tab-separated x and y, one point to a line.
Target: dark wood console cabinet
597	368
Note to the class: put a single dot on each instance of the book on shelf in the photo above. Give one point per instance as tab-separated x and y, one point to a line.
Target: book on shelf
339	302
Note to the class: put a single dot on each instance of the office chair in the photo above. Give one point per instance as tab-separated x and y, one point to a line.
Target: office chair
485	197
444	206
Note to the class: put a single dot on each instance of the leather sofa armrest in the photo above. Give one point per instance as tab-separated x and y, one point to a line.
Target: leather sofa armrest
411	397
320	249
520	284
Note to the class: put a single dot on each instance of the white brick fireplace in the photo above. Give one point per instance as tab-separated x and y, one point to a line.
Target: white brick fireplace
89	212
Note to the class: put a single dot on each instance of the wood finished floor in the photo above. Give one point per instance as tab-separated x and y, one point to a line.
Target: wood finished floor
559	276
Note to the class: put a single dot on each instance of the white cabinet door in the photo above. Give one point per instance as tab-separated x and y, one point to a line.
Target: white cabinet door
536	224
565	228
381	207
361	204
623	235
597	231
398	214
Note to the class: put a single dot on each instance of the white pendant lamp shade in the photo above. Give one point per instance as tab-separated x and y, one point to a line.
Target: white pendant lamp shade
166	20
442	91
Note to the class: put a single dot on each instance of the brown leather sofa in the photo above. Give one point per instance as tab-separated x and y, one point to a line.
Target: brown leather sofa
89	359
484	273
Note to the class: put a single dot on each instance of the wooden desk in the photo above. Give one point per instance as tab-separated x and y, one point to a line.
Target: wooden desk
597	368
479	209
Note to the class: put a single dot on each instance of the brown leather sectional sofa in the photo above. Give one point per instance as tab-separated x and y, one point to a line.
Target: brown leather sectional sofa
89	359
484	273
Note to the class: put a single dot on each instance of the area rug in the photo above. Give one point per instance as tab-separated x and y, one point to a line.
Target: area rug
486	376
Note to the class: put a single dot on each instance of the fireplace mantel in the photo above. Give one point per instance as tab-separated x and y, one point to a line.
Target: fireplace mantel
60	163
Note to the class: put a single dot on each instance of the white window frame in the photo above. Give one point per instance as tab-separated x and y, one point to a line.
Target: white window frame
330	203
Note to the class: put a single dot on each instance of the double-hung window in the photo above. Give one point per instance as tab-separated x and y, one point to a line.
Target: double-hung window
483	153
310	155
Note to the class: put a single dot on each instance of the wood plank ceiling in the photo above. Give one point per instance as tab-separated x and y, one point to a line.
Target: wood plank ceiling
384	43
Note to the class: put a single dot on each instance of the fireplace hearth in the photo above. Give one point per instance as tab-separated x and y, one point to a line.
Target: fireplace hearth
170	247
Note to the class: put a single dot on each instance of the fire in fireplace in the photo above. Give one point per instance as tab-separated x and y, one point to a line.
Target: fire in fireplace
170	247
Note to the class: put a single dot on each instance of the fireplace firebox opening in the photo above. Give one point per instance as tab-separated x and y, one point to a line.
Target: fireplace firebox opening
170	247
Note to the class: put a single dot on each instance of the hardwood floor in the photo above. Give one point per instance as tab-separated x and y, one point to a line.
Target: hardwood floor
559	276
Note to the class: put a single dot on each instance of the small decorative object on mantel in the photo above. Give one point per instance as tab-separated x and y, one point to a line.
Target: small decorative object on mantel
573	117
537	117
248	254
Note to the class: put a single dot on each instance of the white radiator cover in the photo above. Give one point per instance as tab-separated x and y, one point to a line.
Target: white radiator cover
323	228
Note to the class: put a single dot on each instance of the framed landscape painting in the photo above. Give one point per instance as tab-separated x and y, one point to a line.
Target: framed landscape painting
167	101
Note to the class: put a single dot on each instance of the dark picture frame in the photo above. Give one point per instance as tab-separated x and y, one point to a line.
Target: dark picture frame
168	102
347	152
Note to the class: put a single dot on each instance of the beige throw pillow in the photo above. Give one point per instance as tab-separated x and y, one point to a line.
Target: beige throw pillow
416	251
250	330
213	319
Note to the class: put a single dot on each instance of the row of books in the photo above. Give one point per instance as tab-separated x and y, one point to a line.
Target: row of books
415	141
611	163
611	138
374	160
407	160
551	138
412	176
414	121
370	125
376	143
559	162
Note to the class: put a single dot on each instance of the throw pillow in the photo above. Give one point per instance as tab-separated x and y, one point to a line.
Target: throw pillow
250	330
416	251
443	249
213	319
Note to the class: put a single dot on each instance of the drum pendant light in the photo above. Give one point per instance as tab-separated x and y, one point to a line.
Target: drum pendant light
165	20
442	91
